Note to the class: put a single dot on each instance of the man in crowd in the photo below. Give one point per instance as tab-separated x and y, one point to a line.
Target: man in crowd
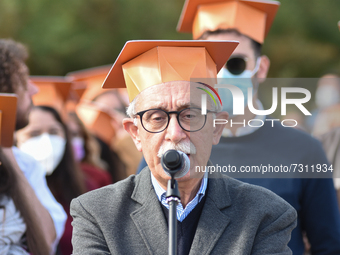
241	145
14	79
215	216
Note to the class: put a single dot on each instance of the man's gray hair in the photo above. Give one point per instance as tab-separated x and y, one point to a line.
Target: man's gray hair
131	109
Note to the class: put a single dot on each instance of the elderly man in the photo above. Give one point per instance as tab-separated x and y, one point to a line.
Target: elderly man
249	21
217	215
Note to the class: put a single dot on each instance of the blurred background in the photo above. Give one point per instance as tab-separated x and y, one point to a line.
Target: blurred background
69	35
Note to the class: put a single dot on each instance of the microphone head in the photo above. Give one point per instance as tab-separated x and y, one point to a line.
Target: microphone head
175	163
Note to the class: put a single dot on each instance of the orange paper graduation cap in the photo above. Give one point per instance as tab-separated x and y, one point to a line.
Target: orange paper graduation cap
79	88
142	64
53	91
8	109
97	121
93	79
252	18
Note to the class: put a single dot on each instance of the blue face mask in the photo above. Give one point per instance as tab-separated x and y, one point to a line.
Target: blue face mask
242	81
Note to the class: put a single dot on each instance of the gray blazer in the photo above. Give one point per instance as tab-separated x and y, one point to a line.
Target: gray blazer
126	218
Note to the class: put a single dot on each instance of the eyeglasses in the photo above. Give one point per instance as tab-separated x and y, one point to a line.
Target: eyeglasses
157	120
236	65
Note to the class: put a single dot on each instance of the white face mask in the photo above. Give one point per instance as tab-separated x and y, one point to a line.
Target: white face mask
46	149
242	81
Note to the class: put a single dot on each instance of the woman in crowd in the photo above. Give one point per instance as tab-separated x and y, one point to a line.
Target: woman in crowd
20	226
87	151
46	138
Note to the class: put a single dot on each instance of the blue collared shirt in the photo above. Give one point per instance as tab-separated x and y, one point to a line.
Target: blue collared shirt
181	213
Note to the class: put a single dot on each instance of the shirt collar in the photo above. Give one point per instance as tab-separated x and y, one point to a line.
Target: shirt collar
161	192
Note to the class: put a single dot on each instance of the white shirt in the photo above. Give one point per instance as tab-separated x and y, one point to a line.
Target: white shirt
35	175
12	229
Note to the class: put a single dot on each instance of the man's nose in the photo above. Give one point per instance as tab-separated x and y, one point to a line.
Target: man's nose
174	132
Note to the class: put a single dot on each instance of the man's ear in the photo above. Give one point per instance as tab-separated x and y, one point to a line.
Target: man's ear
130	127
218	129
263	69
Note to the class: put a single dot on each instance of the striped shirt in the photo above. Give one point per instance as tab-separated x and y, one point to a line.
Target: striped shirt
181	213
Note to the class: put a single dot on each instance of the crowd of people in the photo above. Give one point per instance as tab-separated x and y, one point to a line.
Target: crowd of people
54	158
81	169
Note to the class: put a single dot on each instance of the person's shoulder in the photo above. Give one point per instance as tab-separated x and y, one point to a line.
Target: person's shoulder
114	197
26	162
31	168
109	202
119	189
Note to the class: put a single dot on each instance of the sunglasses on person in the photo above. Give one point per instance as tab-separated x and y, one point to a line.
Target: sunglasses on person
236	65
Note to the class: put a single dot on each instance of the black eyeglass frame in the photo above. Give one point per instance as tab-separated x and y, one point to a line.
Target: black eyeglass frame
141	113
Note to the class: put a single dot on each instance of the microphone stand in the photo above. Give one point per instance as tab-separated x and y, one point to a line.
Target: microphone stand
172	198
175	163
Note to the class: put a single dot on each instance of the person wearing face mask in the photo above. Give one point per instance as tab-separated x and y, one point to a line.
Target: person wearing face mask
58	93
249	21
237	74
112	101
46	139
87	152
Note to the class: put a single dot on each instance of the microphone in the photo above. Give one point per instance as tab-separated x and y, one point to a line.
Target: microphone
175	163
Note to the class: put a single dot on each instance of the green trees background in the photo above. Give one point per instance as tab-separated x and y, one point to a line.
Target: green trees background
69	35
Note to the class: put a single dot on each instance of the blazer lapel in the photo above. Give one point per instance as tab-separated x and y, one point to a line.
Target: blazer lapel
149	218
213	221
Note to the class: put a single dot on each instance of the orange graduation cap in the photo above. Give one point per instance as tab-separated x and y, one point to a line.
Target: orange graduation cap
142	64
8	109
79	87
53	91
97	121
93	79
76	91
252	18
